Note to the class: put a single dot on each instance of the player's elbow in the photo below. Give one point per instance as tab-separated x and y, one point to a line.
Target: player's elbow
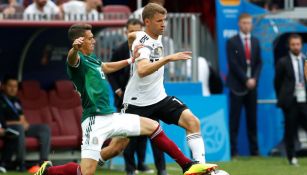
142	73
106	69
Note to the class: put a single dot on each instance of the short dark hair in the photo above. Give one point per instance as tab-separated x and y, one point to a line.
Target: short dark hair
9	77
294	36
77	30
244	15
151	9
133	21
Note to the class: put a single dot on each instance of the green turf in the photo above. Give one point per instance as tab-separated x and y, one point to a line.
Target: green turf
238	166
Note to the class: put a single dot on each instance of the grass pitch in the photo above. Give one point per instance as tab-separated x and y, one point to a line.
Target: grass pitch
238	166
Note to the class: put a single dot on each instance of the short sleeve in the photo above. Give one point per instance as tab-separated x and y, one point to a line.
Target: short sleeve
144	53
77	64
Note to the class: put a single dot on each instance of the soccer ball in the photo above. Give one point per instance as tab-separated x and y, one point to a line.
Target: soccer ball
219	172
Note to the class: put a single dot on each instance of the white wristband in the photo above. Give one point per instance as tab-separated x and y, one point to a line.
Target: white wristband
129	60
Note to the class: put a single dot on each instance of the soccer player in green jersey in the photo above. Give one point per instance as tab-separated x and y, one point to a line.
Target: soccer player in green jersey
99	121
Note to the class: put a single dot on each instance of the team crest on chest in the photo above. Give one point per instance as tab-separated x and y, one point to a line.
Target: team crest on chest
95	141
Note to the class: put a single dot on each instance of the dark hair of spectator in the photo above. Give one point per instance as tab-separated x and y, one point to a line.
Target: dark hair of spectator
151	9
8	77
77	30
244	15
133	21
294	36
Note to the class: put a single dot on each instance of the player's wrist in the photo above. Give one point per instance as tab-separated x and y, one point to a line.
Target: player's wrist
167	58
130	60
75	49
118	90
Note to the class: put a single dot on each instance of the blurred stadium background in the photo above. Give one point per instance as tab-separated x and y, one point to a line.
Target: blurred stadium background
35	49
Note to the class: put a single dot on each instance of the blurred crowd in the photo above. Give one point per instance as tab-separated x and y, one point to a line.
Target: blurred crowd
48	9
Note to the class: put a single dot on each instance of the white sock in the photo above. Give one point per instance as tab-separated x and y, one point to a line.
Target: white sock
197	146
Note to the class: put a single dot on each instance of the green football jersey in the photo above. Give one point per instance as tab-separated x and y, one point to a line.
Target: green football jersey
92	85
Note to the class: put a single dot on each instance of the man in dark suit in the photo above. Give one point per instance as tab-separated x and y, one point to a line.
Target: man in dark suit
118	81
290	87
243	53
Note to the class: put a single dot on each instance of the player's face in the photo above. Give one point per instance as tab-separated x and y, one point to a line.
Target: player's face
88	45
11	88
245	25
157	24
295	45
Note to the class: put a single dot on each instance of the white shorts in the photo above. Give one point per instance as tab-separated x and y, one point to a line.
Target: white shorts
96	129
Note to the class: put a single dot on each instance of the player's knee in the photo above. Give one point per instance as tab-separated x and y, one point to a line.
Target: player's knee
193	124
148	126
154	125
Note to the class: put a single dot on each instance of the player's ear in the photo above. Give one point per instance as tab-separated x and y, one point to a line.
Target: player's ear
146	21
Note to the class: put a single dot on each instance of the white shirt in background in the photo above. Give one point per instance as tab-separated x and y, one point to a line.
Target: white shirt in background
299	91
203	74
32	12
137	14
76	10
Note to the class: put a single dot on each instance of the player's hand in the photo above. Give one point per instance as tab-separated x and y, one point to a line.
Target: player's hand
180	56
26	126
136	53
77	44
251	83
119	92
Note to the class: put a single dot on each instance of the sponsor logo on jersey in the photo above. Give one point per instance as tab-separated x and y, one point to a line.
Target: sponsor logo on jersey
143	39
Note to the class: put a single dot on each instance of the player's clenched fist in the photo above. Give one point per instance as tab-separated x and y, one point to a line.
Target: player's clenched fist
78	43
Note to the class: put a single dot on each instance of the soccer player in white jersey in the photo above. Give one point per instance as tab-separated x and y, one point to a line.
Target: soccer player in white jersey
145	94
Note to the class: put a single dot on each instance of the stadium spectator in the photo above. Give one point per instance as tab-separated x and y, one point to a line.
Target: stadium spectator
118	81
290	88
243	54
11	109
138	13
12	9
42	10
10	145
78	10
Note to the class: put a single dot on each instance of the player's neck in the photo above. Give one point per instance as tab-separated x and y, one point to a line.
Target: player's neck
151	34
84	52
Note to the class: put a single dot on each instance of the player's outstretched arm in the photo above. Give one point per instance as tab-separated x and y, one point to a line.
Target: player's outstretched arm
73	57
117	65
145	67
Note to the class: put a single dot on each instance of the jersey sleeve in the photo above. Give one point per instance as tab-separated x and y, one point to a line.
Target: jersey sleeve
76	65
144	54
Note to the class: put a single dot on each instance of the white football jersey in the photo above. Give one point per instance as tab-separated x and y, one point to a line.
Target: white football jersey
149	89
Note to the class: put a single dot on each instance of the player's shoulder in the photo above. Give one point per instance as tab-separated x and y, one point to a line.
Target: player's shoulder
142	37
